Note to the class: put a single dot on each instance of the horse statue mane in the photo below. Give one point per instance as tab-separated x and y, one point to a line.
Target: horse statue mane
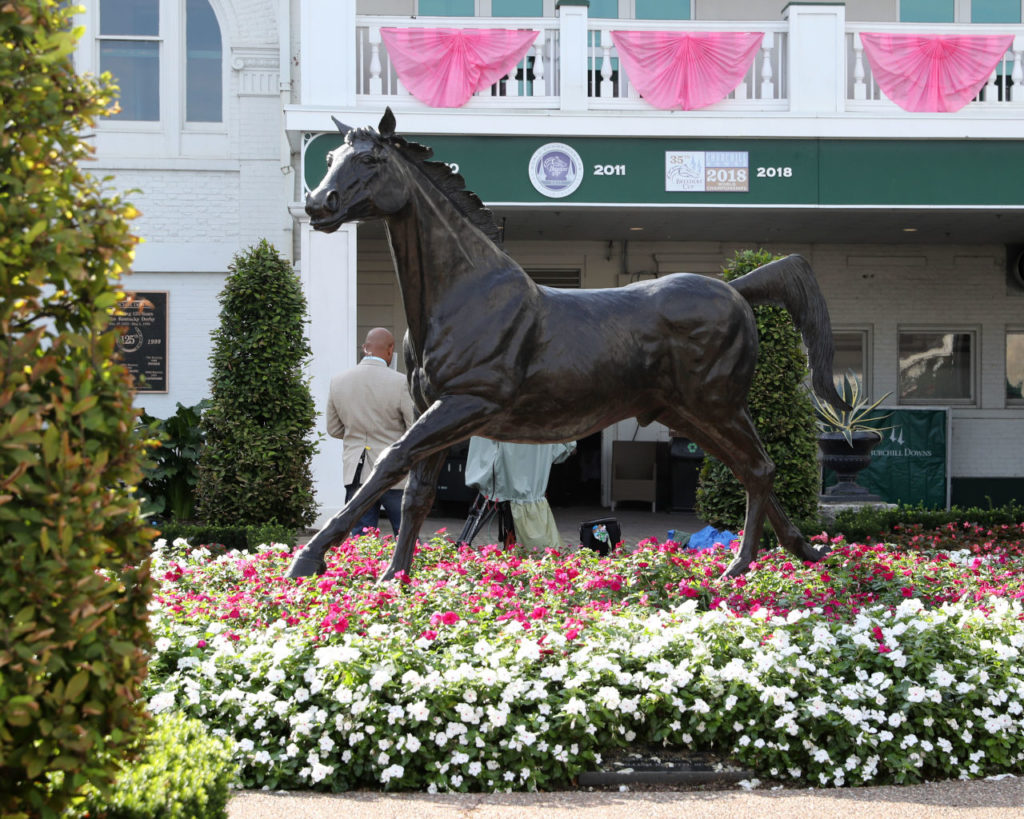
447	181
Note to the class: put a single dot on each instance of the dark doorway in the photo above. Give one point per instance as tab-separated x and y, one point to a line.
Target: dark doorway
577	480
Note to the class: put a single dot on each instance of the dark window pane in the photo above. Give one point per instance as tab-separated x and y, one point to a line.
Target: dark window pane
935	367
662	10
446	8
517	8
139	17
849	355
995	11
604	9
926	11
135	67
1014	365
203	76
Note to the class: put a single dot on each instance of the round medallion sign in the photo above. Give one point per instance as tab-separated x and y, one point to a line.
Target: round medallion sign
556	170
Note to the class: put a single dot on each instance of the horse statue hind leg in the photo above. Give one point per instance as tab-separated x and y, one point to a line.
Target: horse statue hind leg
734	440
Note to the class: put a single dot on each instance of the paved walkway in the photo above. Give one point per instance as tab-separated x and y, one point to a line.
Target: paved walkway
982	799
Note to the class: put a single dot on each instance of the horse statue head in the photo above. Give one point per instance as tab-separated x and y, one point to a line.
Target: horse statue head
374	174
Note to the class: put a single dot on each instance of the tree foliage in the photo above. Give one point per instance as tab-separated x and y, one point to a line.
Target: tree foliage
73	635
782	411
255	467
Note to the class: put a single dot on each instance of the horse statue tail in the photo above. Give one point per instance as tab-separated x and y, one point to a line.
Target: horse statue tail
790	283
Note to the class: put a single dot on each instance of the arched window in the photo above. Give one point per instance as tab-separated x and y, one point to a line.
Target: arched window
142	43
203	59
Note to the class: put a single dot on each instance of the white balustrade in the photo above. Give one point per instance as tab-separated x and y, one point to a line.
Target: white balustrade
534	83
1002	88
530	82
610	84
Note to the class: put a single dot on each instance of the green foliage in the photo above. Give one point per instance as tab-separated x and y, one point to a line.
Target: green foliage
255	467
183	773
782	411
877	524
863	415
225	538
172	474
73	636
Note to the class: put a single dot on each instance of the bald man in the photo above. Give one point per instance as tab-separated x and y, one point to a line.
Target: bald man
369	408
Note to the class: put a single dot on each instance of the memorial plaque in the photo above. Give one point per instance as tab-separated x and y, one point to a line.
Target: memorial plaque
142	320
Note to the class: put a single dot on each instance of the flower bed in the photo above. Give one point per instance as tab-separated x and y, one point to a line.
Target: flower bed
490	671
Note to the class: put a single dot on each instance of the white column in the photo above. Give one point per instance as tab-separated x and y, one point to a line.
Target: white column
329	281
573	45
817	57
328	64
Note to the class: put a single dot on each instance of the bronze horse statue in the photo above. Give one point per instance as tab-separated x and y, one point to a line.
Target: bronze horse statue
489	352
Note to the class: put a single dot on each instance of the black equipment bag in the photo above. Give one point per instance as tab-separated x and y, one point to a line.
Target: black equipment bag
600	535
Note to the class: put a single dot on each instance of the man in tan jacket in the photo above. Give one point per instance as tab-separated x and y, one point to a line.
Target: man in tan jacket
369	408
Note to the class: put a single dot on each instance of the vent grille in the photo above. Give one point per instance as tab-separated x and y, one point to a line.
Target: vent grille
566	277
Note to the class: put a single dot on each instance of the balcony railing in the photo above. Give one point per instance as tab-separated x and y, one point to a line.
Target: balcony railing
762	88
533	84
536	83
1004	87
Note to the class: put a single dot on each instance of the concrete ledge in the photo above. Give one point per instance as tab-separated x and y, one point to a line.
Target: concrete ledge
828	510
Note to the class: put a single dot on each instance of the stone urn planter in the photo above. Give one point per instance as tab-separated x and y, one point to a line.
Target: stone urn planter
847	459
846	438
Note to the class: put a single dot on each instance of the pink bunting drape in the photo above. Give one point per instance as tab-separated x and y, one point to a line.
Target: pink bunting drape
673	69
933	72
444	67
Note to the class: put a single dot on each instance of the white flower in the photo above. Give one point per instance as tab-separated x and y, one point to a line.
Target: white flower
380	677
608	697
163	643
575	706
418	710
916	693
392	772
276	674
164	701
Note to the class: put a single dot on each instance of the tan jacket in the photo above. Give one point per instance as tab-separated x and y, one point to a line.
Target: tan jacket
369	407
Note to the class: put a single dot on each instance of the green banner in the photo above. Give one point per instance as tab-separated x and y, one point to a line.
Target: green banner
910	464
721	171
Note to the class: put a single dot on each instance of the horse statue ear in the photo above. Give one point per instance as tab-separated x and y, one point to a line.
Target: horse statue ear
387	124
341	125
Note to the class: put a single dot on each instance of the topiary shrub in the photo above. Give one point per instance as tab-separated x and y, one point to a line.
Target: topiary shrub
182	773
73	634
255	467
781	409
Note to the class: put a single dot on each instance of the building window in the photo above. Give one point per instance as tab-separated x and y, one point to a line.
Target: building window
571	277
851	355
129	44
936	367
1015	367
139	42
447	8
203	83
956	11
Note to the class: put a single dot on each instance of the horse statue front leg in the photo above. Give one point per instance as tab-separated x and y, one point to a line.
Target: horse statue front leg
417	500
447	421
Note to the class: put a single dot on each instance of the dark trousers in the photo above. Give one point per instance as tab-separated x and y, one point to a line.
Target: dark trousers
390	500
